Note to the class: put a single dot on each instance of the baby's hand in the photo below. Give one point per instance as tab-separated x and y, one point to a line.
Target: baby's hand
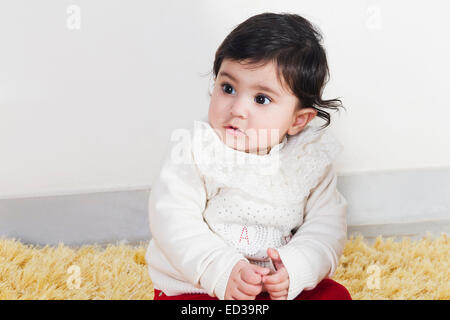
277	284
245	281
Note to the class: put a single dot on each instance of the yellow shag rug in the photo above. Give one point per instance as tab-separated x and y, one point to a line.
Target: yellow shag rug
385	269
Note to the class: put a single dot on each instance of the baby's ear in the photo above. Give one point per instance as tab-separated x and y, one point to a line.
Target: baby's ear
301	118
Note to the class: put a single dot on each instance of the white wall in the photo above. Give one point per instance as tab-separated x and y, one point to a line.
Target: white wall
91	109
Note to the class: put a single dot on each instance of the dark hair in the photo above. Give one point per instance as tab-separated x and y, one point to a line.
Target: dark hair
294	45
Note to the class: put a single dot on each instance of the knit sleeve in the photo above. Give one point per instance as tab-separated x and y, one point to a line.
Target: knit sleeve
313	252
176	204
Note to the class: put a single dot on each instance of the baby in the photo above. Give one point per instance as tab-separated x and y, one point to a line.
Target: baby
246	207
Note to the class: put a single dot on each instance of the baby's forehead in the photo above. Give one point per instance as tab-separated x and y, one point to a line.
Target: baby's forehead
258	71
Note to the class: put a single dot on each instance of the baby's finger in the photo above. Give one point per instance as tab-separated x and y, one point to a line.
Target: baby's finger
260	270
249	289
250	276
279	294
277	287
277	277
239	295
281	297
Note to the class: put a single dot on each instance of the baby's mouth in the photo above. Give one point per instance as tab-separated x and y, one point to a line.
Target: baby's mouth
234	131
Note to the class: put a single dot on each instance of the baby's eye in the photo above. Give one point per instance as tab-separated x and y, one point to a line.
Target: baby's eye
262	99
227	88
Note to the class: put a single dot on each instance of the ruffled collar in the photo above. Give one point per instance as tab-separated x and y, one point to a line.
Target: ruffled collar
285	174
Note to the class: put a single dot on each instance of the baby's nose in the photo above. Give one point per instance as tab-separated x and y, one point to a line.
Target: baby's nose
239	108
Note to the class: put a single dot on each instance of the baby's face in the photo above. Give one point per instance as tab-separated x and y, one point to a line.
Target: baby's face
252	100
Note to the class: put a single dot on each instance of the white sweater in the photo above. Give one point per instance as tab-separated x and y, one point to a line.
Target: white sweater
211	206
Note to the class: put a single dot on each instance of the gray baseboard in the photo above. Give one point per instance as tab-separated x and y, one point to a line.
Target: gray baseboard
398	231
95	218
391	204
393	197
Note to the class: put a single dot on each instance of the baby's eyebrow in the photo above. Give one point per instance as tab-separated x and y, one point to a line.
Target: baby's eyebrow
258	86
226	74
264	88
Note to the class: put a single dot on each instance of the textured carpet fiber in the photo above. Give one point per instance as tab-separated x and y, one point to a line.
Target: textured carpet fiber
383	270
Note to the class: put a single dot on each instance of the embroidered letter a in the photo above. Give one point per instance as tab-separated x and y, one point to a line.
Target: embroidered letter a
246	235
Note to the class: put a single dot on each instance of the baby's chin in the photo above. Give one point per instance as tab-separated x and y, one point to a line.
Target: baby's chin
244	146
241	143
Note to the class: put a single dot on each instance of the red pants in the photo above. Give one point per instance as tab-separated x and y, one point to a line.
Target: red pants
327	289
